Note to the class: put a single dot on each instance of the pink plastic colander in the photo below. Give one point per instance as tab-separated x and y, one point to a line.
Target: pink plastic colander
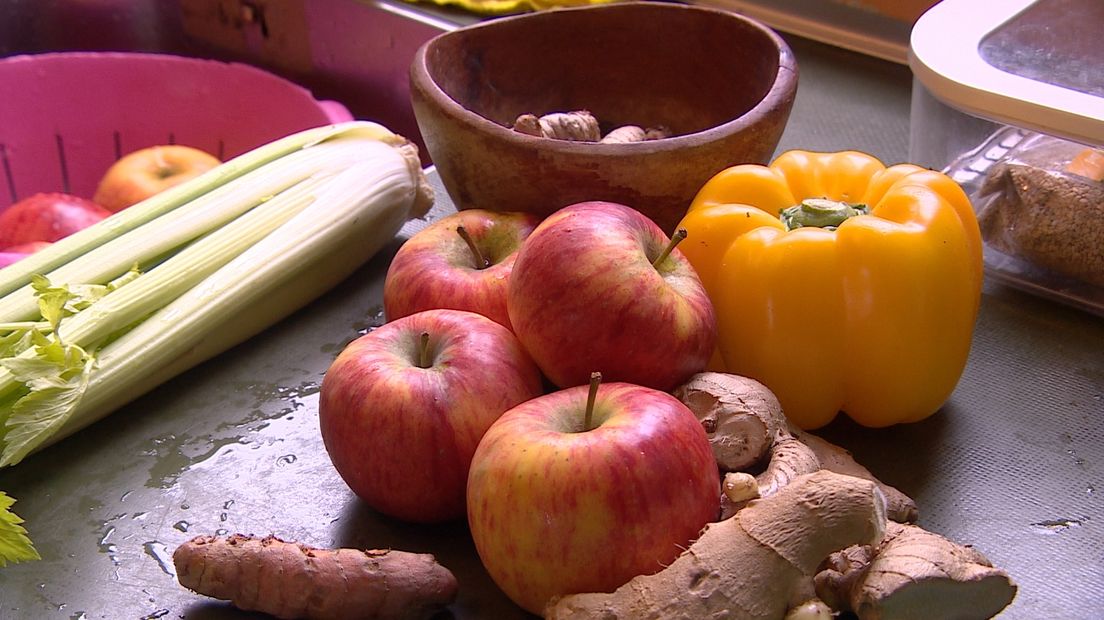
65	117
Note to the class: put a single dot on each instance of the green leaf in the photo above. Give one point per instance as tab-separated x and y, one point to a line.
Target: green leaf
15	546
51	299
15	342
58	377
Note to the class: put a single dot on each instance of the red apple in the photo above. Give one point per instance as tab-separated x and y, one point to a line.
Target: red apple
439	268
47	217
401	417
556	509
19	252
145	172
584	295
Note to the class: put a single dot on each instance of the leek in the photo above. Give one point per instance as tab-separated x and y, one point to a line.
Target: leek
193	273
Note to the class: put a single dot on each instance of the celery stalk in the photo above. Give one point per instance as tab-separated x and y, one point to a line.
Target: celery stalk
64	250
147	241
213	294
147	294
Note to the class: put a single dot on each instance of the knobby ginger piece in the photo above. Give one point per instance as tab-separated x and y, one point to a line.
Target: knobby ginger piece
899	507
757	564
741	417
746	425
578	126
913	574
289	580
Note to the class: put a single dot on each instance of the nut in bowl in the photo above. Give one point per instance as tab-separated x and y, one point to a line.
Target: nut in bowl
720	86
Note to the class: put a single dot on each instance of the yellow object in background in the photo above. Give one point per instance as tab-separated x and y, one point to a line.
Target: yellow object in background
839	283
506	7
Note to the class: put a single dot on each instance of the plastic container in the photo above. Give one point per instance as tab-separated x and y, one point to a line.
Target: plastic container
1004	96
65	117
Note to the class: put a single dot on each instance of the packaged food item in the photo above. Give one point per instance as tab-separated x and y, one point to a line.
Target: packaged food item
1040	206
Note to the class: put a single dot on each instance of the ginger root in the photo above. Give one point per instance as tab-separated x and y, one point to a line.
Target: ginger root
289	580
812	609
742	418
757	564
914	574
745	424
578	126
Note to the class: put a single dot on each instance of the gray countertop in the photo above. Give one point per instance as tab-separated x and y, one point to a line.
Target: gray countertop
1012	464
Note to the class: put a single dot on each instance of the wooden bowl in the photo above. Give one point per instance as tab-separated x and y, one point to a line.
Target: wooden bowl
721	83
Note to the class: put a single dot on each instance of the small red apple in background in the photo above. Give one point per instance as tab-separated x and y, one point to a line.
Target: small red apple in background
19	252
401	417
584	295
47	217
555	508
145	172
439	268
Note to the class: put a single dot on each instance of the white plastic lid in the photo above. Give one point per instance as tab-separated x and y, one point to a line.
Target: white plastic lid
1031	63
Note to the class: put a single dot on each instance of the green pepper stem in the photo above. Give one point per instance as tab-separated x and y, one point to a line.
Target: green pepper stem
481	261
588	416
676	238
820	213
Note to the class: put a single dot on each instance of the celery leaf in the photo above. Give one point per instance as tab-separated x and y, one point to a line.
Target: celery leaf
57	377
15	546
15	342
51	299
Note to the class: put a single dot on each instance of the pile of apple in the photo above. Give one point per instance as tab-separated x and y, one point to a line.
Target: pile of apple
34	222
522	380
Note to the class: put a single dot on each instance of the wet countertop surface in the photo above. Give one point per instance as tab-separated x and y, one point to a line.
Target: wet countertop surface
1013	464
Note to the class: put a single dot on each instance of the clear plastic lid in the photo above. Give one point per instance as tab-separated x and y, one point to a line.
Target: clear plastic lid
1035	64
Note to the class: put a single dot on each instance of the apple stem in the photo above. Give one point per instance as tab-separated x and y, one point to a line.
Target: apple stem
595	381
481	261
423	351
676	238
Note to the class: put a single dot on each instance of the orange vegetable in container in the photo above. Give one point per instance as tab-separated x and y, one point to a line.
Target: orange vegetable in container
840	283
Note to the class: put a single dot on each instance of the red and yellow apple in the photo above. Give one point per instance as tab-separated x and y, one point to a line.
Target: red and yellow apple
47	217
403	408
462	262
148	171
585	296
555	508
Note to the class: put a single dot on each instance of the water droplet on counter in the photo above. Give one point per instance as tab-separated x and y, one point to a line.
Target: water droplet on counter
227	504
1054	526
221	531
158	551
286	459
182	526
106	546
222	517
184	506
160	613
80	615
125	496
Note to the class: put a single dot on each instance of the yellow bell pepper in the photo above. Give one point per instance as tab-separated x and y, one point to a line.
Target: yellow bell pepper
840	283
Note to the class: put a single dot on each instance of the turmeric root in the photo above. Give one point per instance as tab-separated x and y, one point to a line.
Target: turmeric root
914	574
757	564
746	425
289	580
